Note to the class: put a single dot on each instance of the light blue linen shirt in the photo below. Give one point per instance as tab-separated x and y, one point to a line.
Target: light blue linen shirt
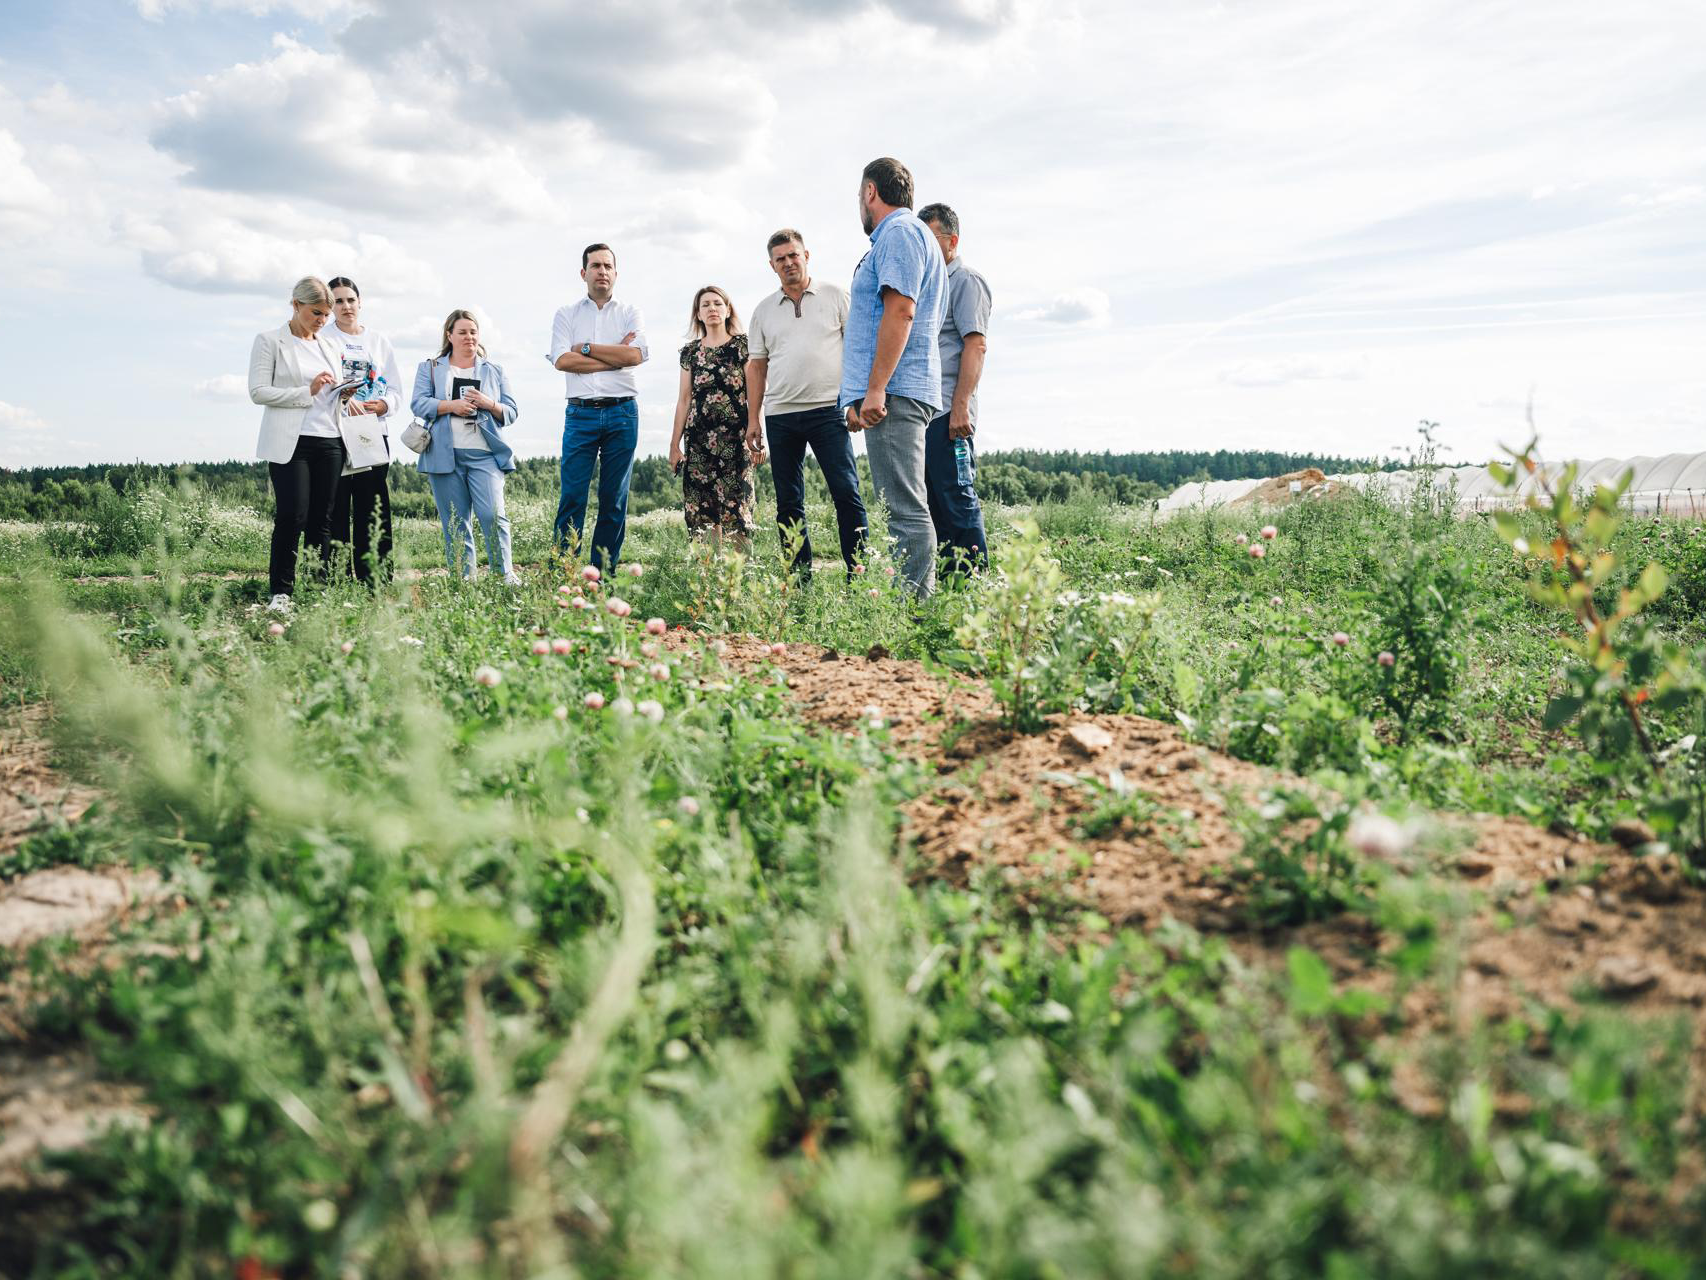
904	257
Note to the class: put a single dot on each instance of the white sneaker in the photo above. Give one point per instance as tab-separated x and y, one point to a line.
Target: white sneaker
279	604
512	579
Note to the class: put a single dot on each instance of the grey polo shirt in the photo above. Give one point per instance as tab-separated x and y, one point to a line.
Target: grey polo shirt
802	345
968	312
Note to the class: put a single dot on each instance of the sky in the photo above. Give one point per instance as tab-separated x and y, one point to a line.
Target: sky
1280	224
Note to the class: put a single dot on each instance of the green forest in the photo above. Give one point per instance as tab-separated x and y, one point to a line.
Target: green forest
1013	477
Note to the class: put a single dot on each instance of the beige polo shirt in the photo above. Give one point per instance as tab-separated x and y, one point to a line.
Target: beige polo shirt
802	345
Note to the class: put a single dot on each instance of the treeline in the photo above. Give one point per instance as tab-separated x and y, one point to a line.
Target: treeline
1013	476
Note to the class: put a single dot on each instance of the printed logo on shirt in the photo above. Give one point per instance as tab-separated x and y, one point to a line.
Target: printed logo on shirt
359	367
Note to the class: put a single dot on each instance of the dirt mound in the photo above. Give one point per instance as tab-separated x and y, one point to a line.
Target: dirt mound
1123	816
1311	483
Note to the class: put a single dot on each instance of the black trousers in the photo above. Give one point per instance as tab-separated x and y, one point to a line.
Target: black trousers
303	492
363	501
824	432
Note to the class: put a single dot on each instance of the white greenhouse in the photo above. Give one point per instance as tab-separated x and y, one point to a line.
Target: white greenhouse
1674	484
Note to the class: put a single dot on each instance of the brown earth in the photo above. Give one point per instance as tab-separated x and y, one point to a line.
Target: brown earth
1547	918
1276	491
51	1099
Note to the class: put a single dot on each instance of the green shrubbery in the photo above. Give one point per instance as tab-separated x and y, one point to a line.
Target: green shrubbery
474	978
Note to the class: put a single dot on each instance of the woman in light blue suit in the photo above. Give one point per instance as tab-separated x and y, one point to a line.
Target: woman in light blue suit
466	403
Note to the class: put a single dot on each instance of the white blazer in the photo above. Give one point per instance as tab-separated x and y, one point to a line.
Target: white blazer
278	385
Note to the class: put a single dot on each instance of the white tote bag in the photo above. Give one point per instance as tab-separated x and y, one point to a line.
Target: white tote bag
365	446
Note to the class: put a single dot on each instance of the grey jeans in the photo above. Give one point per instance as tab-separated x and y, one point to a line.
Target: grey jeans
895	447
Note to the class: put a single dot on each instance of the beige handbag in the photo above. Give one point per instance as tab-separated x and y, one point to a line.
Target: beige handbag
417	436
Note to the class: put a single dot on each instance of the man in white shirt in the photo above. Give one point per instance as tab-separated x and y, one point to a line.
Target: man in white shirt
793	371
597	342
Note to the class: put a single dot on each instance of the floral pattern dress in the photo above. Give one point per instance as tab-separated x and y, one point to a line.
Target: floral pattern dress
716	476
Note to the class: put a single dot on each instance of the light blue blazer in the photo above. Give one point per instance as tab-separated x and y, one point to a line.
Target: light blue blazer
432	384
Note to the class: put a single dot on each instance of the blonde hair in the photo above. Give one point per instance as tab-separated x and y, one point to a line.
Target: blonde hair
450	323
311	290
696	326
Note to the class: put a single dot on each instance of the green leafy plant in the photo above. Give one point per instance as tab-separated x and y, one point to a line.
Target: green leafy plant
1633	696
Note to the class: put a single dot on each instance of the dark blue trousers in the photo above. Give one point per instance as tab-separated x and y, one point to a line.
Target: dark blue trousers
824	431
954	508
606	438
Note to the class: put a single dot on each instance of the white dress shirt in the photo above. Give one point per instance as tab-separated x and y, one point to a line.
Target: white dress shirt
584	321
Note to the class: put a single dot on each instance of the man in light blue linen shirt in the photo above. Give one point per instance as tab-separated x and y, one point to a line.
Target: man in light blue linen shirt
891	370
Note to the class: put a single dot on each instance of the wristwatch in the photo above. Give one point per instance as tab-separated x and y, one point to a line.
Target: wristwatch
586	348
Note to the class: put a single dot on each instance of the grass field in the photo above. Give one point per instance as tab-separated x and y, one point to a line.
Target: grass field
1122	913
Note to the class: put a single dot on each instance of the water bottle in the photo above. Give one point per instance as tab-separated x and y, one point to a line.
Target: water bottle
963	470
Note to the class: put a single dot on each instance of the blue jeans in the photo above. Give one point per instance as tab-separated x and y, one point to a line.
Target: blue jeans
606	437
954	508
475	488
825	432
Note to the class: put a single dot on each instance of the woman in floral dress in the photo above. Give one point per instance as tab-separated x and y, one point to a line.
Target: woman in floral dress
708	446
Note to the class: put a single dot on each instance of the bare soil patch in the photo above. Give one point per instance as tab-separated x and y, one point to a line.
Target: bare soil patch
52	1099
1558	920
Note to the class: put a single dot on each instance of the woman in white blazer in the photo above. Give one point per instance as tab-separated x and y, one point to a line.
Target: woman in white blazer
291	371
364	499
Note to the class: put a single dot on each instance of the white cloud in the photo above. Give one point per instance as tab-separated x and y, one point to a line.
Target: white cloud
27	439
27	206
1076	306
222	253
272	127
321	10
225	387
1289	369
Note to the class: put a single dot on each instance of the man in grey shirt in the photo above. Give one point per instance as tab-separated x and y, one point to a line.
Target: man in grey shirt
793	371
950	459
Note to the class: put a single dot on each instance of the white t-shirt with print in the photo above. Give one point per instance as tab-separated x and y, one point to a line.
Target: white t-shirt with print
322	416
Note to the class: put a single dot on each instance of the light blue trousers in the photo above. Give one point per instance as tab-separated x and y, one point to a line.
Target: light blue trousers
475	488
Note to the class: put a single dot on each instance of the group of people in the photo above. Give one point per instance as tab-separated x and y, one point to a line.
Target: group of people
897	356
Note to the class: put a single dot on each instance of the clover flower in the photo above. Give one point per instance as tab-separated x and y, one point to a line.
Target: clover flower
488	677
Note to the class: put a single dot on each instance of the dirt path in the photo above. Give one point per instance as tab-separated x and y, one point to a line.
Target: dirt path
51	1097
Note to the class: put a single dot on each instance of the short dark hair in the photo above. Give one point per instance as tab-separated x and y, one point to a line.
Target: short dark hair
594	248
342	282
787	235
892	179
942	216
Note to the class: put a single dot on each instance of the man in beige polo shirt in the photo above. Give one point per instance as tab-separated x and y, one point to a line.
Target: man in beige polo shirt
793	374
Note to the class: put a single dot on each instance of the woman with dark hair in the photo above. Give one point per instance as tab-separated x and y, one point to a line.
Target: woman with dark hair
365	494
292	373
466	403
708	445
